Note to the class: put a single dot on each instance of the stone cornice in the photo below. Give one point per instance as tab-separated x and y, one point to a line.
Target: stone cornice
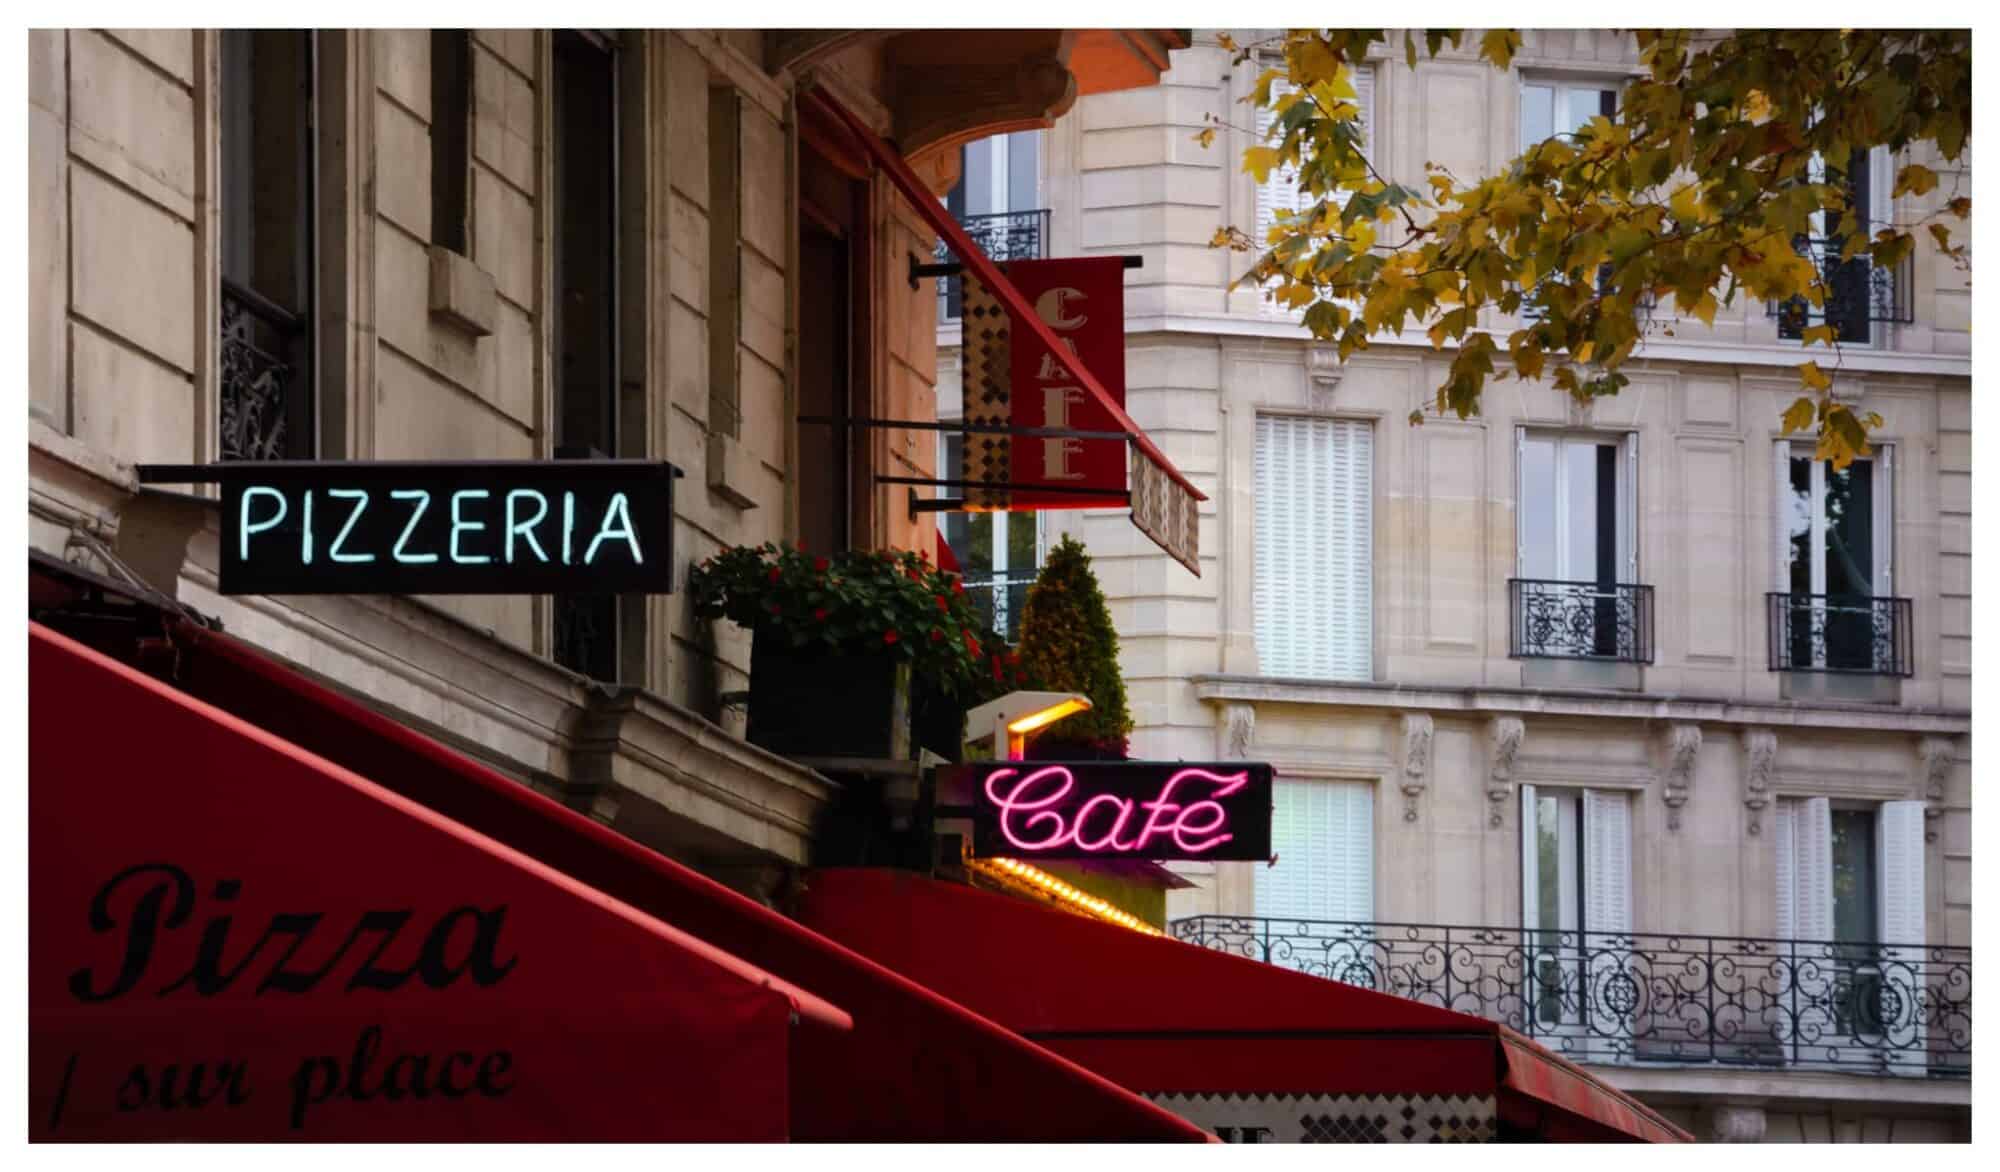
1486	701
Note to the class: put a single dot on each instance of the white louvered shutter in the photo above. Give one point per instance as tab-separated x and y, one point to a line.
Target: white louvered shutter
1785	848
1814	885
1899	862
1313	595
1281	188
1607	863
1323	833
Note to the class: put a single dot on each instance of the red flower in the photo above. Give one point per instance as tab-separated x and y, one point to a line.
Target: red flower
821	564
1013	657
971	643
819	614
996	669
775	573
944	603
937	634
890	636
957	587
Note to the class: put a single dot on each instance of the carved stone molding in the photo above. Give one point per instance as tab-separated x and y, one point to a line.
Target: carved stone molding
1579	412
1760	761
1733	1123
1239	723
1682	744
939	106
1323	371
1417	728
1506	733
1935	754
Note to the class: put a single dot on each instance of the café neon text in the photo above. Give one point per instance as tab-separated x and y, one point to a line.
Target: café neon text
1023	799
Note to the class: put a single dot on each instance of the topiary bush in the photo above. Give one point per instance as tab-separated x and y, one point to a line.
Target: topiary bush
1069	645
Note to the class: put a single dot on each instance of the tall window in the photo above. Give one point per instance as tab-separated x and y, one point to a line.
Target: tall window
1576	506
1860	297
1549	108
998	200
1576	899
1836	559
585	144
1850	904
1314	536
999	554
1280	189
1323	833
268	408
451	139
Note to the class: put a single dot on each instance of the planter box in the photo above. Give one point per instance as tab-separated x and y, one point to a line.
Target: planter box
815	702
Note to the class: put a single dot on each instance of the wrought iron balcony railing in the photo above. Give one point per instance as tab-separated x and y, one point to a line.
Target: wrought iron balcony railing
261	377
1003	236
1859	293
1580	620
1856	634
1636	998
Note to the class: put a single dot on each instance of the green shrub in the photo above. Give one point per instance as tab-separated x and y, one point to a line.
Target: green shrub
1069	645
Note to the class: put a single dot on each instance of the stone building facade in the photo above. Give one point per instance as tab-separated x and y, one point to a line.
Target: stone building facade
1702	817
510	244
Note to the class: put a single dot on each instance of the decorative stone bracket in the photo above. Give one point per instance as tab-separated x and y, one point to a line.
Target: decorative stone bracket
1936	755
1760	761
1506	733
1417	728
1682	744
1239	724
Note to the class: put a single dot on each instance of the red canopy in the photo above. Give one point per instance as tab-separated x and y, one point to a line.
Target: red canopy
914	1067
1184	1024
232	939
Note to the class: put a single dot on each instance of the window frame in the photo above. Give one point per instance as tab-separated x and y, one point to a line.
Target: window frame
1368	487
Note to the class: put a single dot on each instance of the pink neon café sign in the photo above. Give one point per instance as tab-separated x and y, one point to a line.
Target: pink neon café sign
1121	809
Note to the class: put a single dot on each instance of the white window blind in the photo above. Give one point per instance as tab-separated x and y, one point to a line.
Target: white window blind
1281	188
1607	862
1805	869
1323	833
1899	865
1313	536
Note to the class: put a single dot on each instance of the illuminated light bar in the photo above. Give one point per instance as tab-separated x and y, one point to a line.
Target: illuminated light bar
1048	716
1034	879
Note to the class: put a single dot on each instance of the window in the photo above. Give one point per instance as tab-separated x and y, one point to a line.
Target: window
725	257
1323	833
1850	905
268	401
1280	188
1576	903
1577	554
451	138
1313	535
585	143
1859	295
999	554
1550	108
1835	563
998	200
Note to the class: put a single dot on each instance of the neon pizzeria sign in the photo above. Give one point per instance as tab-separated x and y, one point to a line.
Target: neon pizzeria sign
466	527
1121	809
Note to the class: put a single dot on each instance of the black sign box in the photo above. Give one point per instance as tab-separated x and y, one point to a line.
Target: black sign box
1118	809
471	527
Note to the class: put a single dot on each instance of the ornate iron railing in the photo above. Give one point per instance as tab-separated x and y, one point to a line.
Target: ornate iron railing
1639	998
999	601
1580	620
1002	236
1856	634
1859	292
261	377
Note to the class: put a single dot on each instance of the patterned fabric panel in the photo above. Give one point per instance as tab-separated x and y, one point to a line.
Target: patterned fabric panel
1338	1119
989	386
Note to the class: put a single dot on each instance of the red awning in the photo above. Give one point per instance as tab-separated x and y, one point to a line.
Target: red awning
915	1066
230	938
1173	1020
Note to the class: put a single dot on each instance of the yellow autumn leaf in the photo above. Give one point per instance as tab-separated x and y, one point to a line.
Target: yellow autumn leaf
1811	375
1813	334
1259	161
1206	138
1799	415
1916	179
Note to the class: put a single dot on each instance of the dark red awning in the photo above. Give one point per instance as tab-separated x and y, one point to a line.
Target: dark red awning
915	1066
232	939
1171	1019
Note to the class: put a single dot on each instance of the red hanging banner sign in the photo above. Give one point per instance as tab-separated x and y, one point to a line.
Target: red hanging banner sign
1082	300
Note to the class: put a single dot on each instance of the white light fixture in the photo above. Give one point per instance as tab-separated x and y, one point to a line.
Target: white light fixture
1013	716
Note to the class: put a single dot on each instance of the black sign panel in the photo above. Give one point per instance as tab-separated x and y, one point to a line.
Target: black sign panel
472	527
1119	809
